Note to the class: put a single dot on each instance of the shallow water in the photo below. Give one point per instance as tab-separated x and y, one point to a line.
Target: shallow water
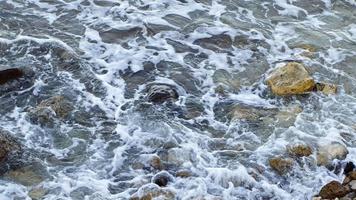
101	55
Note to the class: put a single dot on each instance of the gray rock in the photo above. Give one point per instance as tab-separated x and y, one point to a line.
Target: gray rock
11	152
217	43
118	36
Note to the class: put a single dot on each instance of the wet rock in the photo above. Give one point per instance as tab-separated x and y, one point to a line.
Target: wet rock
11	152
81	193
349	167
290	79
10	74
59	104
327	153
160	93
153	29
105	3
37	193
326	88
177	20
180	47
28	175
249	113
287	116
217	43
162	179
153	191
13	79
281	165
155	162
184	173
333	190
9	145
148	161
299	150
119	36
351	176
227	80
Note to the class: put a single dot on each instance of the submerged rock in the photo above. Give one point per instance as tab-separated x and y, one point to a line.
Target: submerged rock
327	153
49	109
162	179
15	79
10	152
333	190
37	193
59	104
160	93
29	175
299	150
281	165
216	43
326	88
153	191
8	146
290	79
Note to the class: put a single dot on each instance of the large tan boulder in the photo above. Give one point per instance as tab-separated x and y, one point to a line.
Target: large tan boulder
290	79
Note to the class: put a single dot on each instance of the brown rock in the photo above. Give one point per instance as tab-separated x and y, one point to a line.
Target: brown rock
290	79
58	104
155	162
37	193
300	150
333	190
8	144
350	177
183	173
281	165
326	88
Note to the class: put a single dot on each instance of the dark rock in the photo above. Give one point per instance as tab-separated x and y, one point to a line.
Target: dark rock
349	167
180	47
162	179
10	74
177	20
118	36
217	43
333	190
160	93
14	79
